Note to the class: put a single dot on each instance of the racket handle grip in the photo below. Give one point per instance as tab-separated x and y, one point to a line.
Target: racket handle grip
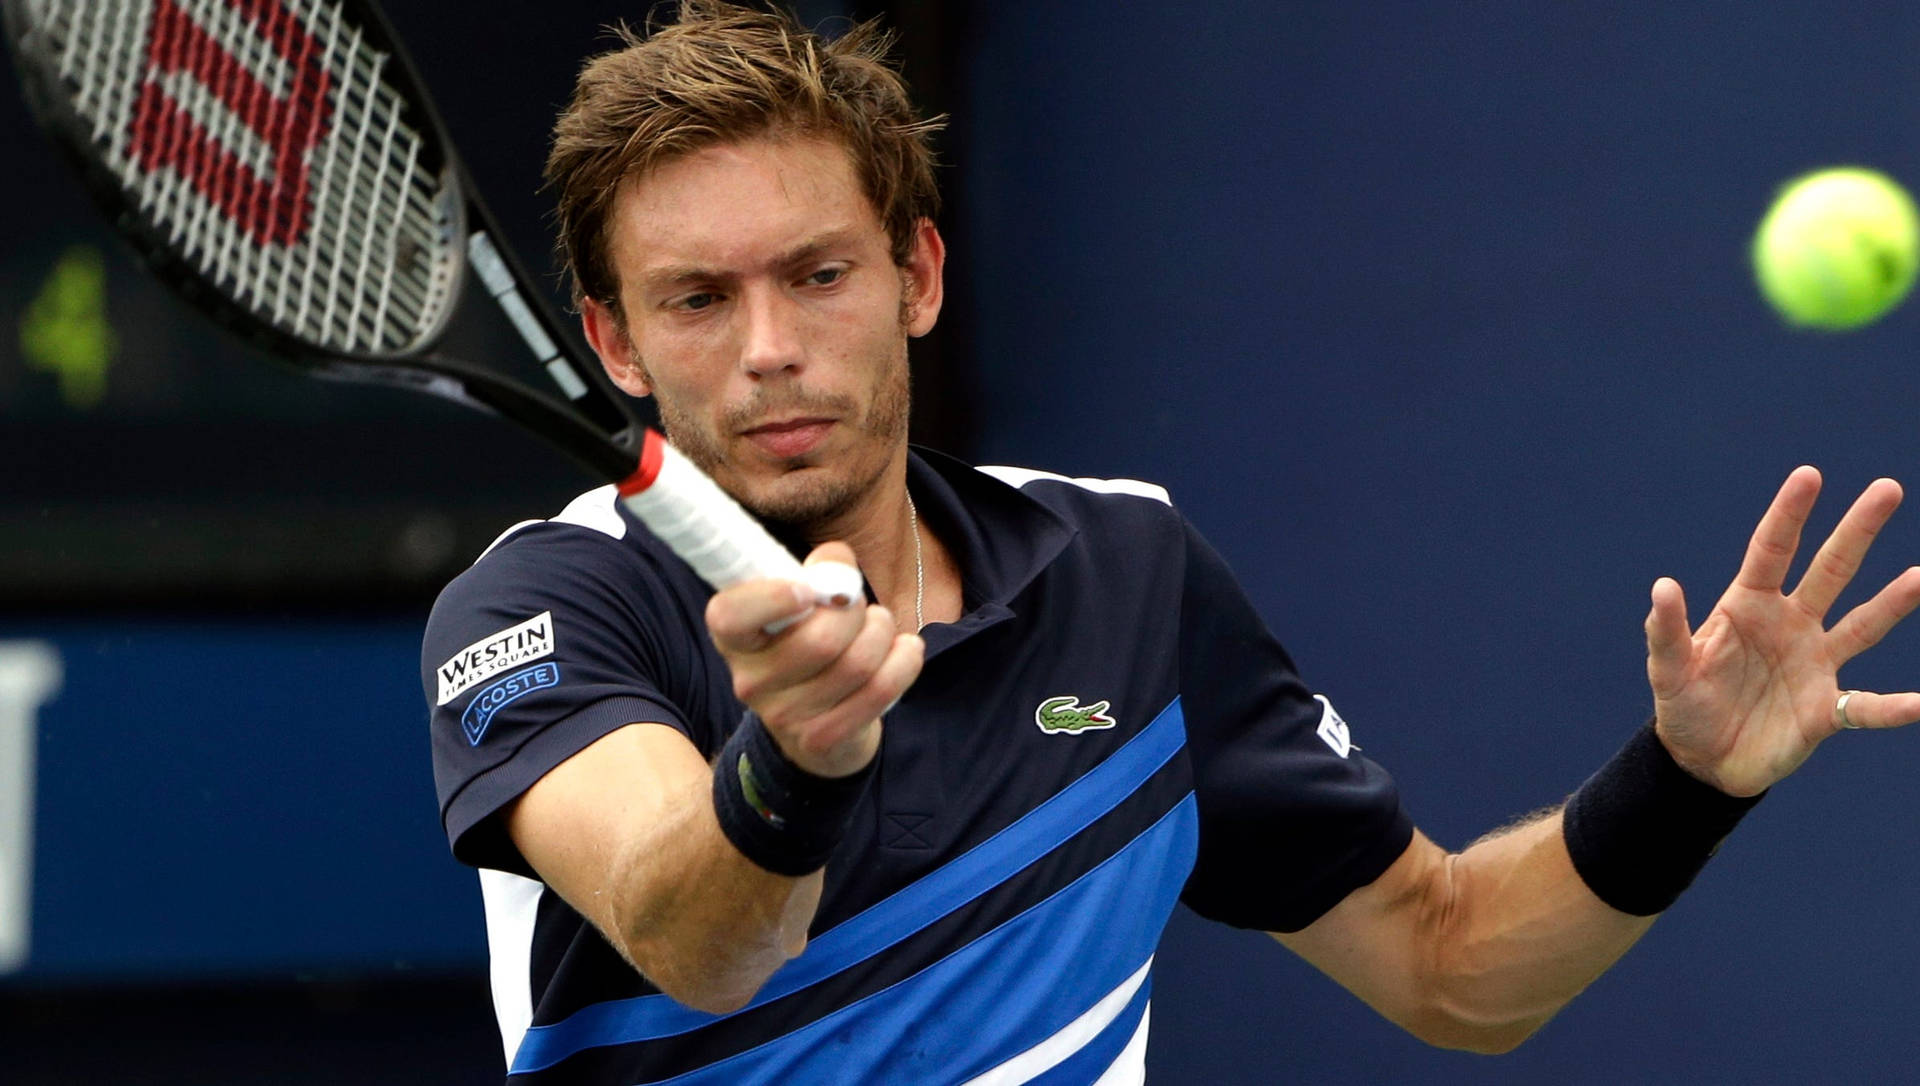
705	526
721	541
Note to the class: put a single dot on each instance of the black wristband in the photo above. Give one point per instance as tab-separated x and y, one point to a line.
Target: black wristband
778	815
1642	827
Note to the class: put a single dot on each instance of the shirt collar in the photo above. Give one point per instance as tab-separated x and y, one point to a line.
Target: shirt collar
1000	537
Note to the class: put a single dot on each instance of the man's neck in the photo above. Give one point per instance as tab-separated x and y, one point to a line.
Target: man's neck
880	530
909	568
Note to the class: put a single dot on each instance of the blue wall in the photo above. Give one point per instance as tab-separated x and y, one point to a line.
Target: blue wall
1436	319
239	800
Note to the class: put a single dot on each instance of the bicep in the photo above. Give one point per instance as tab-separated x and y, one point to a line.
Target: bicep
578	825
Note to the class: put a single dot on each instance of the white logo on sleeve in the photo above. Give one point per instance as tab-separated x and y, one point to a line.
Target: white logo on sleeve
495	653
1333	730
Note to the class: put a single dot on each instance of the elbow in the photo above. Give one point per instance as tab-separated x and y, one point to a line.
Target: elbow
707	983
1483	1039
1474	992
711	999
1465	1006
718	982
708	949
1454	1025
693	965
709	990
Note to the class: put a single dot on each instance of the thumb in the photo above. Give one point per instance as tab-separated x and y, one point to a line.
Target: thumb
1669	639
833	574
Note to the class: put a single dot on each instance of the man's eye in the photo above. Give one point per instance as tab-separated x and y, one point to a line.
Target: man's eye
826	277
694	302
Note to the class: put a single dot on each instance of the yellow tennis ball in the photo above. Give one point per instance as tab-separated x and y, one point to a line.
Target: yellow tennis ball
1838	248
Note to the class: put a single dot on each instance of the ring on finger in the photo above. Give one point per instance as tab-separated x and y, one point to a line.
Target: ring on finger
1840	709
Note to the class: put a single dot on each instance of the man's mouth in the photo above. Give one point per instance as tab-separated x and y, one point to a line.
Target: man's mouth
789	438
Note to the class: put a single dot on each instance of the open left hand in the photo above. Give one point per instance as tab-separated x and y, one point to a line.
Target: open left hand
1743	700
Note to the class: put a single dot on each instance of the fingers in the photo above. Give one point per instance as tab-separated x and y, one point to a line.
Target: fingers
866	703
819	677
1669	640
1865	625
818	671
1774	541
1866	709
748	616
1839	558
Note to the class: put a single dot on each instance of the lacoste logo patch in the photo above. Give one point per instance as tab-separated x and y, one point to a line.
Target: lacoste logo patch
1333	731
1064	714
494	653
494	698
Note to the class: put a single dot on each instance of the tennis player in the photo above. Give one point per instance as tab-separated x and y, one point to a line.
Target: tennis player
933	836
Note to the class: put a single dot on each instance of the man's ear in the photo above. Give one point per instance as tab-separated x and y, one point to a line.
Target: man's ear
608	338
925	285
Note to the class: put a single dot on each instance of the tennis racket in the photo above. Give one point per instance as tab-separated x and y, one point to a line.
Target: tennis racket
279	165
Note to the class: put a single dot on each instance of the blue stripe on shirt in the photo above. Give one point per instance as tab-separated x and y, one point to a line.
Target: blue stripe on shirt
999	995
1096	1056
927	899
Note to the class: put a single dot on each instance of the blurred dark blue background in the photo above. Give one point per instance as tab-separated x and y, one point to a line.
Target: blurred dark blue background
1435	318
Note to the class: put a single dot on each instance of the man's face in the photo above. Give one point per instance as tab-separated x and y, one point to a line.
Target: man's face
764	313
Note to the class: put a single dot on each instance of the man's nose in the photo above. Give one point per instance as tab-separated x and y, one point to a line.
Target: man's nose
772	334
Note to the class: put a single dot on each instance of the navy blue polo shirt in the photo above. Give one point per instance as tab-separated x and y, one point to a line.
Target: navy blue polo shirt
1109	728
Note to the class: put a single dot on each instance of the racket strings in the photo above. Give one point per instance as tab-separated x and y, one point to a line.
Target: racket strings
378	115
260	136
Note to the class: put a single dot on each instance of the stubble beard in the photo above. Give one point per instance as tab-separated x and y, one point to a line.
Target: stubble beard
811	493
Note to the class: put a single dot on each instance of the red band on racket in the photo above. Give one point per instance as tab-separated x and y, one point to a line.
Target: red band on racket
652	451
275	208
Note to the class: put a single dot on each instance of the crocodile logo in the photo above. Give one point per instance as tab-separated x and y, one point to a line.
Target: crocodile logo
1064	714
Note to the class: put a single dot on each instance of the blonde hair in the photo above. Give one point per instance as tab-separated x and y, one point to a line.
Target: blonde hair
722	74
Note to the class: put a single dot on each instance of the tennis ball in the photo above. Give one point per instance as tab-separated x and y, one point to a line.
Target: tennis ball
1838	248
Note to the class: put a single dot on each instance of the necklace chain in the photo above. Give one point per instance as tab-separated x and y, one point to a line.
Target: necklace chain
919	569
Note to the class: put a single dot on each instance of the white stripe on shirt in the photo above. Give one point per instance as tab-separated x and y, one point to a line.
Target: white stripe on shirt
1074	1036
511	903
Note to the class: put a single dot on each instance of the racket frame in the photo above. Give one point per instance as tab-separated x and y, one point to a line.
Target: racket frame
677	502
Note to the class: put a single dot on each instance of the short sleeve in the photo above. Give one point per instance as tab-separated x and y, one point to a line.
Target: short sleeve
555	638
1292	817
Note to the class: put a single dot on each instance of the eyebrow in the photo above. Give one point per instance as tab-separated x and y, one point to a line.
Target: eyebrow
807	249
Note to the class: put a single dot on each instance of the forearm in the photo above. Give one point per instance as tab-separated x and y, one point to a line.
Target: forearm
1478	950
705	874
700	920
1516	935
626	832
1535	914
